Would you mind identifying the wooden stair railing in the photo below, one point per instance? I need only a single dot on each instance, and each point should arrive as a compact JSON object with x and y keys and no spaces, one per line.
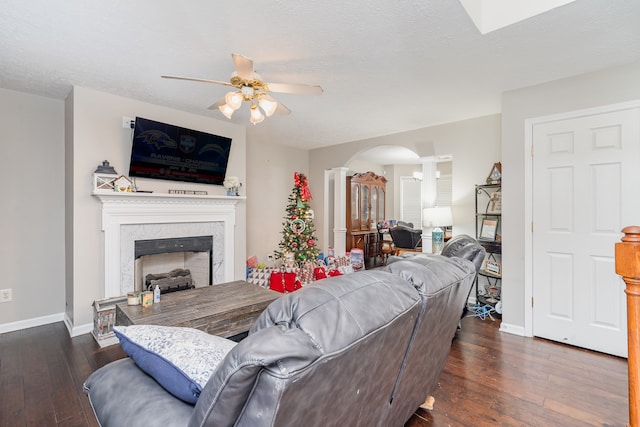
{"x":628,"y":266}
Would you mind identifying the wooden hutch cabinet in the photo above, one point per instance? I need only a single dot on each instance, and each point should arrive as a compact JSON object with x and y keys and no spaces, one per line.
{"x":366,"y":196}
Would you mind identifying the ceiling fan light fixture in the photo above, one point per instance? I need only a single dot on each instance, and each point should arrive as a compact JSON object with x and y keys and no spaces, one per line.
{"x":226,"y":110}
{"x":268,"y":106}
{"x":248,"y":92}
{"x":256,"y":115}
{"x":247,"y":85}
{"x":234,"y":100}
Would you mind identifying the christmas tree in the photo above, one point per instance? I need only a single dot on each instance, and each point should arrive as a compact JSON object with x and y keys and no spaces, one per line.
{"x":298,"y":234}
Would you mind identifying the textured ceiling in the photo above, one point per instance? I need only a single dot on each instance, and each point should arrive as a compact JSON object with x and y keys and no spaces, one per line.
{"x":385,"y":66}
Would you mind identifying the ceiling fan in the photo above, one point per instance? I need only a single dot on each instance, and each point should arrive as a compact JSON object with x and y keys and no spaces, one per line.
{"x":251,"y":89}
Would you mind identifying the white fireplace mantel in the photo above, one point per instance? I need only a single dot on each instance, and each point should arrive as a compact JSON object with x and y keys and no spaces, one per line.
{"x":120,"y":209}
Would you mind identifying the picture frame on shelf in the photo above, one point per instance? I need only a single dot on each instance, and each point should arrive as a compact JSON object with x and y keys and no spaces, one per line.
{"x":495,"y":203}
{"x":494,"y":268}
{"x":489,"y":229}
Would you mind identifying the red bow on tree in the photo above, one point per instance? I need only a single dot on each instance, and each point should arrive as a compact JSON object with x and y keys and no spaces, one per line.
{"x":301,"y":182}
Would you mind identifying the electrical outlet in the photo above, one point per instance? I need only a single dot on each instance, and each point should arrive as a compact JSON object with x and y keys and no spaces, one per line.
{"x":6,"y":295}
{"x":127,"y":122}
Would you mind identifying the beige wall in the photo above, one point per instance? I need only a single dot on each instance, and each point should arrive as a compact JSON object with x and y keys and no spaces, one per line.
{"x":360,"y":166}
{"x":32,"y":212}
{"x":97,"y":134}
{"x":270,"y":168}
{"x":474,"y":144}
{"x":605,"y":87}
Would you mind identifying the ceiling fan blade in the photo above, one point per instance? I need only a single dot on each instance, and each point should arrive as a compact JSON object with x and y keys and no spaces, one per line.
{"x":220,"y":102}
{"x":244,"y":66}
{"x":282,"y":109}
{"x":297,"y":89}
{"x":198,"y":80}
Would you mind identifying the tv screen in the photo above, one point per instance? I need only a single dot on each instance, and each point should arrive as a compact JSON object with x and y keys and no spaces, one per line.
{"x":165,"y":151}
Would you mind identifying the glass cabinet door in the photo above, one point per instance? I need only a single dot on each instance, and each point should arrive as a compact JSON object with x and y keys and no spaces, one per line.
{"x":355,"y":206}
{"x":381,"y":201}
{"x":366,"y":213}
{"x":374,"y":207}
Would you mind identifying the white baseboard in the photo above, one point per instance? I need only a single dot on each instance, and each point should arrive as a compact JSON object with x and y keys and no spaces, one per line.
{"x":512,"y":329}
{"x":74,"y":331}
{"x":30,"y":323}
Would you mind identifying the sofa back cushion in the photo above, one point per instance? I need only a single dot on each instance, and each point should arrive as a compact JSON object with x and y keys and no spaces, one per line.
{"x":465,"y":247}
{"x":443,"y":284}
{"x":333,"y":349}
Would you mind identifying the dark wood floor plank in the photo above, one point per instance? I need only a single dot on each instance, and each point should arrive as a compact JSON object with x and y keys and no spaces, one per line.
{"x":11,"y":380}
{"x":66,"y":400}
{"x":497,"y":379}
{"x":37,"y":382}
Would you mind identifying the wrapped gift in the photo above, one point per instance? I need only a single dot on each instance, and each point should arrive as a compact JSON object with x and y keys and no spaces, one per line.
{"x":342,"y":261}
{"x":284,"y":281}
{"x":319,"y":273}
{"x":260,"y":276}
{"x":357,"y":259}
{"x":306,"y":273}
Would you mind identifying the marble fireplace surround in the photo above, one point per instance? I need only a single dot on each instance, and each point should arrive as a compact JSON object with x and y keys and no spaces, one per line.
{"x":127,"y":217}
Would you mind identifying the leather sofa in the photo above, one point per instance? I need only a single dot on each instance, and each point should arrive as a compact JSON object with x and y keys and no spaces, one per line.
{"x":363,"y":349}
{"x":461,"y":246}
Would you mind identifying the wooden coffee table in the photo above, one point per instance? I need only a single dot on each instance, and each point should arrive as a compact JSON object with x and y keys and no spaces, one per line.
{"x":227,"y":309}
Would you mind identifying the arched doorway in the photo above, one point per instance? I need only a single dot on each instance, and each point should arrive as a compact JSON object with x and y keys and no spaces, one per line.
{"x":397,"y":164}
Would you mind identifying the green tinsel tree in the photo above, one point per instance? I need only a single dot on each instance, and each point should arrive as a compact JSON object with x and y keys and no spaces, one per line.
{"x":299,"y":234}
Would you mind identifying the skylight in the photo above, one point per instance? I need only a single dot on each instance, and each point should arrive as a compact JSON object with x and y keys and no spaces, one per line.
{"x":490,"y":15}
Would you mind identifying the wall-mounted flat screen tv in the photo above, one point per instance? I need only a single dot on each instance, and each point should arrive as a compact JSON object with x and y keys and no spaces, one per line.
{"x":165,"y":151}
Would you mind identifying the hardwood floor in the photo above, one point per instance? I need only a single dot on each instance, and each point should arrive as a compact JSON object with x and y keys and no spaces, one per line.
{"x":498,"y":379}
{"x":491,"y":379}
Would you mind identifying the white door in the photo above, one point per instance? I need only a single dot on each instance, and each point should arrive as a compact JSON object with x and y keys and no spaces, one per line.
{"x":586,"y":181}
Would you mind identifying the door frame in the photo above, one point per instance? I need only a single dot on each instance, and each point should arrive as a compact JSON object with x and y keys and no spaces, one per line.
{"x":528,"y":193}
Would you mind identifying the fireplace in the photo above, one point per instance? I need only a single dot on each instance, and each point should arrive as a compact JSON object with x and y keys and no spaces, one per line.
{"x":173,"y":264}
{"x":131,"y":217}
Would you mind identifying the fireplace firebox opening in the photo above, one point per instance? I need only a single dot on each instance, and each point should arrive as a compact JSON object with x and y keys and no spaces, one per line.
{"x":173,"y":264}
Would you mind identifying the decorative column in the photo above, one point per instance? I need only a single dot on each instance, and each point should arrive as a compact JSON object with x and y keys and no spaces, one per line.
{"x":429,"y":189}
{"x":628,"y":266}
{"x":340,"y":211}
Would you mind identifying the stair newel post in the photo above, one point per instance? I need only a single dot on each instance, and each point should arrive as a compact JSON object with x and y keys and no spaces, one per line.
{"x":628,"y":266}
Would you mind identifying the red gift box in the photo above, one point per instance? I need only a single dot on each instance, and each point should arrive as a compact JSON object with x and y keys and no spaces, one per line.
{"x":284,"y":282}
{"x":319,"y":273}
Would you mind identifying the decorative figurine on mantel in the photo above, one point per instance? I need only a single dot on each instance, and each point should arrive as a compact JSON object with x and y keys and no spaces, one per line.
{"x":232,"y":184}
{"x":103,"y":178}
{"x":495,"y":176}
{"x":122,"y":184}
